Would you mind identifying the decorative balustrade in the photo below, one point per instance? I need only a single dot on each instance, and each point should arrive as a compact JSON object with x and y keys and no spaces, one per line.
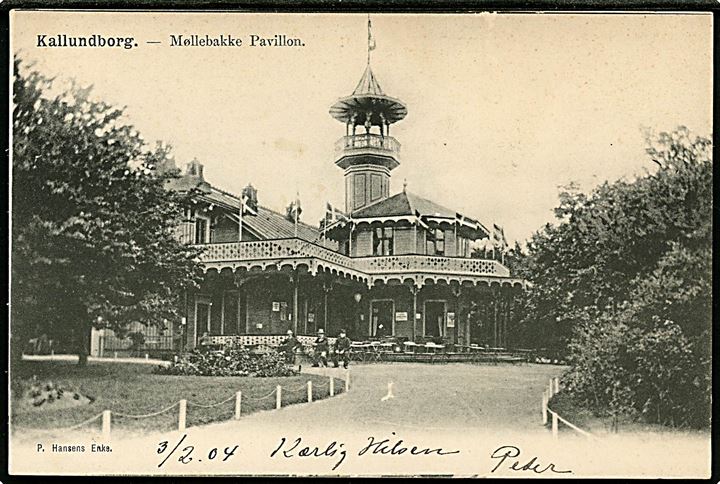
{"x":367,"y":142}
{"x":286,"y":249}
{"x":430,"y":264}
{"x":261,"y":340}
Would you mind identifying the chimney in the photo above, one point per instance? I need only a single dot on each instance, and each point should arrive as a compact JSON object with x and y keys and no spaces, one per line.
{"x":195,"y":169}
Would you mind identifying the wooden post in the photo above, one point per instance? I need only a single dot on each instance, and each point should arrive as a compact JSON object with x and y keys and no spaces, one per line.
{"x":147,"y":357}
{"x":106,"y":419}
{"x":332,"y":386}
{"x":182,"y":416}
{"x":414,"y":290}
{"x":278,"y":397}
{"x":115,"y":354}
{"x":295,"y":302}
{"x":238,"y":402}
{"x":347,"y":380}
{"x":309,"y":388}
{"x":550,"y":388}
{"x":556,"y":383}
{"x":544,"y":407}
{"x":554,"y":425}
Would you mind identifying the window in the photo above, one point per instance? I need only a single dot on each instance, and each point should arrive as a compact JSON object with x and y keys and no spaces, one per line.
{"x":435,"y":242}
{"x":201,"y":230}
{"x":463,"y":245}
{"x":383,"y":241}
{"x":359,"y":190}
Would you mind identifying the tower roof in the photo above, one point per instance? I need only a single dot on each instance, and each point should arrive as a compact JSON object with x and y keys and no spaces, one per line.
{"x":368,"y":84}
{"x":368,"y":98}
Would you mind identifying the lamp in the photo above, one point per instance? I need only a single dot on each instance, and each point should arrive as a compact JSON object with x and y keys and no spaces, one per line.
{"x":357,"y":297}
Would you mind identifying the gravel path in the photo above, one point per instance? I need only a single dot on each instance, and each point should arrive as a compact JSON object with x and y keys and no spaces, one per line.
{"x":469,"y":411}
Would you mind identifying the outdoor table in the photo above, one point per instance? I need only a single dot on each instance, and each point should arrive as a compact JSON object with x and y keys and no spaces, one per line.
{"x":373,"y":351}
{"x":410,"y":346}
{"x":434,"y":347}
{"x":357,"y":351}
{"x":384,"y":348}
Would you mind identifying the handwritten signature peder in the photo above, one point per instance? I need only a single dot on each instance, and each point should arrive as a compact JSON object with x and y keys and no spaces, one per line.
{"x":507,"y":456}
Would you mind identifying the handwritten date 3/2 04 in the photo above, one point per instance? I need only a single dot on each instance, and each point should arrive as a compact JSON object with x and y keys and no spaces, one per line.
{"x":188,"y":453}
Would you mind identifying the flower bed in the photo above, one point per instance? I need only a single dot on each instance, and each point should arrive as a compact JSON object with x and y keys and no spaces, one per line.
{"x":229,"y":361}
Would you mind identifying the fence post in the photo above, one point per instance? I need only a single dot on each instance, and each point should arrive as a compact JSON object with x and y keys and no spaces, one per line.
{"x":147,"y":356}
{"x":182,"y":417}
{"x":347,"y":380}
{"x":278,"y":397}
{"x":544,"y":407}
{"x":106,"y":419}
{"x":556,"y":383}
{"x":309,"y":387}
{"x":332,"y":386}
{"x":554,"y":425}
{"x":550,"y":388}
{"x":115,"y":354}
{"x":238,"y":402}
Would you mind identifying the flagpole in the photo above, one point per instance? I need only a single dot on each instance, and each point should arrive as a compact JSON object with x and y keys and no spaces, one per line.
{"x":297,"y":209}
{"x":240,"y":221}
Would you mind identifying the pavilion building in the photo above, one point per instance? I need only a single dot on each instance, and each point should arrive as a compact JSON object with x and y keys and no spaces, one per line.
{"x":395,"y":265}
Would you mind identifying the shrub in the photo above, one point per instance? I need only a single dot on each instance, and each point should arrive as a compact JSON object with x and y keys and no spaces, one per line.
{"x":229,"y":361}
{"x":137,"y":339}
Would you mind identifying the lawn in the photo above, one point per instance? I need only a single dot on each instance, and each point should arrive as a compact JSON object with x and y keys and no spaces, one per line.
{"x":564,"y":405}
{"x":133,"y":389}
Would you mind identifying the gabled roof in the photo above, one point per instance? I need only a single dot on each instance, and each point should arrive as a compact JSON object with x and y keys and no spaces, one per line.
{"x":368,"y":84}
{"x":404,"y":203}
{"x":267,"y":224}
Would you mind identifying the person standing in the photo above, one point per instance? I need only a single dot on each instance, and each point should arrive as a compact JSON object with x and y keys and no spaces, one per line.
{"x":342,"y":349}
{"x":322,"y":348}
{"x":290,"y":346}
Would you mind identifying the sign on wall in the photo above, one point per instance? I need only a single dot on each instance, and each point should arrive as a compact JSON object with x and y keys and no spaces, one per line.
{"x":450,"y":320}
{"x":401,"y":316}
{"x":276,"y":306}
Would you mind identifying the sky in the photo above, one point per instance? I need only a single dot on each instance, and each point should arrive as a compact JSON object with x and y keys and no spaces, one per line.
{"x":503,"y":109}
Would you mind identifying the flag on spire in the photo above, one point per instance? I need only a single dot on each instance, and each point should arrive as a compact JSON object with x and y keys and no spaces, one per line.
{"x":371,"y":39}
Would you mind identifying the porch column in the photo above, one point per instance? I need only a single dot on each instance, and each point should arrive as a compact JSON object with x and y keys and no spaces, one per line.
{"x":222,"y":312}
{"x":327,"y":287}
{"x":457,"y":291}
{"x":294,"y":279}
{"x":495,"y":317}
{"x":414,"y":289}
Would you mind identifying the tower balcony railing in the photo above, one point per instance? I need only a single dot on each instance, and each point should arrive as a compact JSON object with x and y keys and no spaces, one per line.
{"x":368,"y":143}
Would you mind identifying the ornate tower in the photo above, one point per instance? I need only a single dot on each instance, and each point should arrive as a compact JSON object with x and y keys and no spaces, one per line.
{"x":367,"y":157}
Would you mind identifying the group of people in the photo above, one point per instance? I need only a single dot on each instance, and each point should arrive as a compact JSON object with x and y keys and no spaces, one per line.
{"x":322,"y":351}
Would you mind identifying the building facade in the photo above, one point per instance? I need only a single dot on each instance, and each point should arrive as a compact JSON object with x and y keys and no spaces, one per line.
{"x":386,"y":265}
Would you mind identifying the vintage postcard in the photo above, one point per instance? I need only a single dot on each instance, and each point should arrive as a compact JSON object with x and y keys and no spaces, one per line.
{"x":469,"y":244}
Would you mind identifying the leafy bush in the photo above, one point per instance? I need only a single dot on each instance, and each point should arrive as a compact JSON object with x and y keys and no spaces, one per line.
{"x":137,"y":339}
{"x":623,"y":281}
{"x":230,"y":361}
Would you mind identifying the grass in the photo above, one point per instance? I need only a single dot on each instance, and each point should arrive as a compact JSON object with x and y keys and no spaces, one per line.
{"x":587,"y":420}
{"x":133,"y":389}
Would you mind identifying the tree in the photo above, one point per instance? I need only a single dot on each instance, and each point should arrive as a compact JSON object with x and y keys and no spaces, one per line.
{"x":92,"y":221}
{"x":623,"y":281}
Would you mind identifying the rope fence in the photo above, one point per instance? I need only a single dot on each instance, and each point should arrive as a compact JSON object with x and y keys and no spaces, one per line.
{"x":237,"y":397}
{"x":553,"y":389}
